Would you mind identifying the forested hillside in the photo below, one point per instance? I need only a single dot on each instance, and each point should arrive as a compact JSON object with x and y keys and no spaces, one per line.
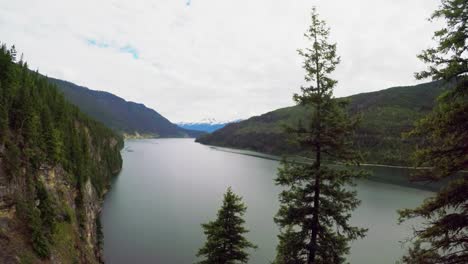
{"x":385,"y":115}
{"x":120,"y":115}
{"x":55,"y":166}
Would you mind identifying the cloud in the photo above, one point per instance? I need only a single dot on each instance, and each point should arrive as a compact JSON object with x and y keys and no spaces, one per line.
{"x":216,"y":59}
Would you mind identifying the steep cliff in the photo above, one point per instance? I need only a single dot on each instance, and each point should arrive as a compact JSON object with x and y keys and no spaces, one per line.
{"x":55,"y":166}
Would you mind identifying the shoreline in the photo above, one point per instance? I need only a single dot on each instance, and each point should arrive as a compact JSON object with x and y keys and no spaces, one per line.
{"x":401,"y":179}
{"x":279,"y":158}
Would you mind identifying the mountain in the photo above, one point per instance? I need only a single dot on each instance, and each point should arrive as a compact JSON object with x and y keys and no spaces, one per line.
{"x":56,"y":164}
{"x":208,"y":125}
{"x":385,"y":114}
{"x":122,"y":116}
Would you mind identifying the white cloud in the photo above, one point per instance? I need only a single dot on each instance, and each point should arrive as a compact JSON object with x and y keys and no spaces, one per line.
{"x":214,"y":58}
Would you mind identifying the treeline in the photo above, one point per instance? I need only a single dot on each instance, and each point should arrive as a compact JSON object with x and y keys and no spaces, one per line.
{"x":40,"y":130}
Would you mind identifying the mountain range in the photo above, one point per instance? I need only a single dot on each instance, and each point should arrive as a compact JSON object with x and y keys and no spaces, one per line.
{"x":385,"y":115}
{"x":208,"y":125}
{"x":129,"y":118}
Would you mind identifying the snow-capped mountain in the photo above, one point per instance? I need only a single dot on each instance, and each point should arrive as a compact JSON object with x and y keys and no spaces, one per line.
{"x":206,"y":125}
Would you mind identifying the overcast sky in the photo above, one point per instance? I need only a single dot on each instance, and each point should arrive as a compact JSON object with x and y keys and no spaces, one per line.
{"x":223,"y":59}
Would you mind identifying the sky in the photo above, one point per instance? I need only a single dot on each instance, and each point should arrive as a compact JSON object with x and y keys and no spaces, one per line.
{"x":223,"y":59}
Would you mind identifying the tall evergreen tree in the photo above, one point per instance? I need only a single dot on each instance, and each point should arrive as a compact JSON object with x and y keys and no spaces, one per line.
{"x":226,"y":243}
{"x":317,"y":202}
{"x":444,"y":133}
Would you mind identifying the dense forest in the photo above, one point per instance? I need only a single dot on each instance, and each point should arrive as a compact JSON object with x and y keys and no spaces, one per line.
{"x":55,"y":166}
{"x":384,"y":116}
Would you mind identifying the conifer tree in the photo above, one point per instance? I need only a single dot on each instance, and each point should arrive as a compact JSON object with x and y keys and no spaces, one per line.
{"x":444,"y":135}
{"x":316,"y":204}
{"x":226,"y":243}
{"x":53,"y":143}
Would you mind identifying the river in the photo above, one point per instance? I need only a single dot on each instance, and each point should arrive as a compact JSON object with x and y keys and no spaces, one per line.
{"x":168,"y":187}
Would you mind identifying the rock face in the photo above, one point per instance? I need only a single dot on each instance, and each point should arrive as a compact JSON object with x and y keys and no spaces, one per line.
{"x":92,"y":207}
{"x":75,"y":235}
{"x":6,"y":200}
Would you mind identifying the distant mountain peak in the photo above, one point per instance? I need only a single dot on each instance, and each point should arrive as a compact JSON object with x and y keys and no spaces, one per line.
{"x":206,"y":124}
{"x":210,"y":121}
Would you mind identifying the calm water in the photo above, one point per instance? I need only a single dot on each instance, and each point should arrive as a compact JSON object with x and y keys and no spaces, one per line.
{"x":168,"y":187}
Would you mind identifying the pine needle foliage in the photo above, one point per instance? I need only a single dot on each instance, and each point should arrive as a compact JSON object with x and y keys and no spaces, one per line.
{"x":225,"y":242}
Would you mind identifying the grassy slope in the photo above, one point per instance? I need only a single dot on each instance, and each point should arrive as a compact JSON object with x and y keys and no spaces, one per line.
{"x":385,"y":115}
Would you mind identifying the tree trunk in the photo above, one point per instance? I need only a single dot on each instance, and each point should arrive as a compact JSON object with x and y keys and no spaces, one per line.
{"x":315,"y":222}
{"x":315,"y":217}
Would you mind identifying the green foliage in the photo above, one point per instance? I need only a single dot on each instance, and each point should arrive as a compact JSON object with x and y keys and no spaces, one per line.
{"x":39,"y":130}
{"x":317,"y":201}
{"x":3,"y":121}
{"x":290,"y":247}
{"x":444,"y":149}
{"x":47,"y":129}
{"x":40,"y":242}
{"x":449,"y":58}
{"x":52,"y":138}
{"x":226,"y":243}
{"x":12,"y":158}
{"x":64,"y":242}
{"x":100,"y":235}
{"x":47,"y":208}
{"x":297,"y":211}
{"x":27,"y":258}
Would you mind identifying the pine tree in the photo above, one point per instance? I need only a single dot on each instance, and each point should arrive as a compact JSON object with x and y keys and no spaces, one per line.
{"x":38,"y":237}
{"x":226,"y":243}
{"x":47,"y":208}
{"x":52,"y":140}
{"x":444,"y":149}
{"x":317,"y":202}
